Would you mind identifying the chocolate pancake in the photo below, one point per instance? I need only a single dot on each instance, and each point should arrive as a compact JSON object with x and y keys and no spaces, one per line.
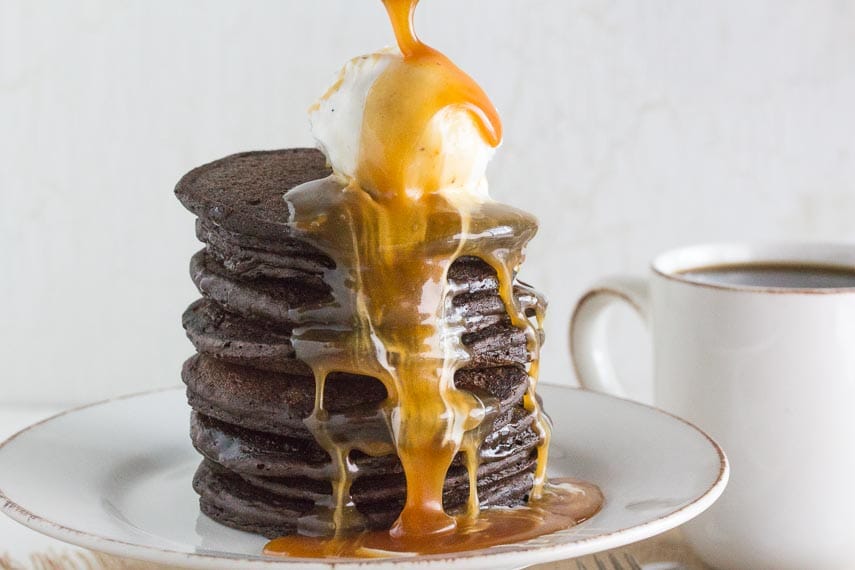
{"x":232,"y":500}
{"x":263,"y":471}
{"x":242,"y":193}
{"x":278,"y":403}
{"x":259,"y":399}
{"x":217,"y":333}
{"x":256,"y":453}
{"x":267,"y":299}
{"x":253,"y":258}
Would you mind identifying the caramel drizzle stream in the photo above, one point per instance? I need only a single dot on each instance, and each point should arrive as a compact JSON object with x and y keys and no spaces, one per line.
{"x":393,"y":237}
{"x":461,"y":89}
{"x":403,"y":100}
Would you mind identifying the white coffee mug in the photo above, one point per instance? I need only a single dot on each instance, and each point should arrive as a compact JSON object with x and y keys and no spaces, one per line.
{"x":770,"y":374}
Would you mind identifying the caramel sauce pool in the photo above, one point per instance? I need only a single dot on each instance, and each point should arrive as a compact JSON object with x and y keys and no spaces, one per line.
{"x":564,"y":503}
{"x":393,"y":234}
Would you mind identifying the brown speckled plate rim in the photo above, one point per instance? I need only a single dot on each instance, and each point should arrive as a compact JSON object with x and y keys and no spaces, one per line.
{"x":493,"y":557}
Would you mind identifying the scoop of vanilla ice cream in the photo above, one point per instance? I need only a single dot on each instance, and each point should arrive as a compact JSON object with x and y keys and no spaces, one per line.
{"x":457,"y":153}
{"x":336,"y":118}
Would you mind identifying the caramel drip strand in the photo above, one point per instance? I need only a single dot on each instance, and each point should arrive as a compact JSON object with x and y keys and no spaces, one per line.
{"x":505,"y":264}
{"x":543,"y":425}
{"x":401,"y":15}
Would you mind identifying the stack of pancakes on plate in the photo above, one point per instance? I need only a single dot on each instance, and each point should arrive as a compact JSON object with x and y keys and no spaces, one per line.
{"x":262,"y":470}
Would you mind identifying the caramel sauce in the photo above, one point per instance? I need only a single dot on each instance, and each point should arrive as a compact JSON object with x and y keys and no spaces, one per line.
{"x":564,"y":503}
{"x":393,"y":234}
{"x":393,"y":153}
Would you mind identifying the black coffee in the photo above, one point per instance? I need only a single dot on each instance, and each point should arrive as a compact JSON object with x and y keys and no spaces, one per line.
{"x":780,"y":275}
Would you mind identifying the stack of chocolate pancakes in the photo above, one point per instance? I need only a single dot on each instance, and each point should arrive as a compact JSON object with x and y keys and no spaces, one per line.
{"x":262,"y":470}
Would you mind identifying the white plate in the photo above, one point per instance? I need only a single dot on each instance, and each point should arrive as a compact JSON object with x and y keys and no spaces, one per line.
{"x":115,"y":477}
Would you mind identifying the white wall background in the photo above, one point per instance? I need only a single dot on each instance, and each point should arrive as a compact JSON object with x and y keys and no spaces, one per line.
{"x":631,"y":127}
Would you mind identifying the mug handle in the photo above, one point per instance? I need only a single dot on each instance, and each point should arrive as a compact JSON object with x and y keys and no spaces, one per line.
{"x":588,"y":346}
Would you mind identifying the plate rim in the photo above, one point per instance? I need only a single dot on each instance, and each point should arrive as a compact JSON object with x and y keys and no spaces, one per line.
{"x":533,"y":554}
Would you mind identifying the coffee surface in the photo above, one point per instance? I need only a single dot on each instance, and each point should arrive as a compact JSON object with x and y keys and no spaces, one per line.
{"x":777,"y":275}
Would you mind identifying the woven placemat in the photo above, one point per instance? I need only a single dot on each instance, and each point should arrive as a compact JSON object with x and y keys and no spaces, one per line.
{"x":664,"y":551}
